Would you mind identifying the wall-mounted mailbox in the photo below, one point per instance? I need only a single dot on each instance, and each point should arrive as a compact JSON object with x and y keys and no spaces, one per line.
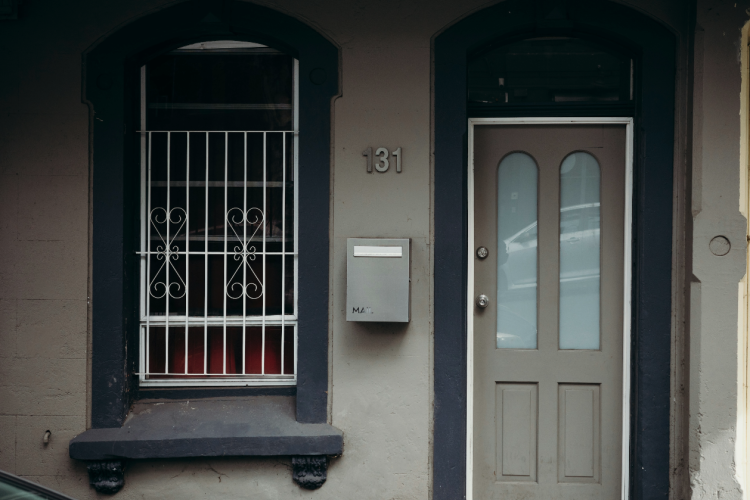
{"x":377,"y":280}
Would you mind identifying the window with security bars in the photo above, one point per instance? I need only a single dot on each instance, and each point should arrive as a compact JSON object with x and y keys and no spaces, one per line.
{"x":218,"y":217}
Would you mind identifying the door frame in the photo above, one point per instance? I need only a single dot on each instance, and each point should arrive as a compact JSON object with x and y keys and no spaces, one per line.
{"x":654,"y":47}
{"x":627,"y":281}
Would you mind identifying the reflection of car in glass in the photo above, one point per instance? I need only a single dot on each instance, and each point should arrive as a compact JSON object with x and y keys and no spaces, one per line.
{"x":522,"y":330}
{"x":579,"y":249}
{"x":14,"y":488}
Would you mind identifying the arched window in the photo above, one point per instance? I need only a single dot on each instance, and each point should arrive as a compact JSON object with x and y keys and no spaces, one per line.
{"x":218,"y":216}
{"x":237,"y":102}
{"x":210,"y":216}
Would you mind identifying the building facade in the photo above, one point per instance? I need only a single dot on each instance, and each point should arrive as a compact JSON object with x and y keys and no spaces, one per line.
{"x":282,"y":249}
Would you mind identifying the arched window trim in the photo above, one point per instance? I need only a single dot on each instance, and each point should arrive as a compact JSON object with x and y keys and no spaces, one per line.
{"x":618,"y":46}
{"x":654,"y":49}
{"x":111,"y":81}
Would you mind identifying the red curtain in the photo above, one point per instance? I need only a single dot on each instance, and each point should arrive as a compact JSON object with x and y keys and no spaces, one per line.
{"x":215,"y":358}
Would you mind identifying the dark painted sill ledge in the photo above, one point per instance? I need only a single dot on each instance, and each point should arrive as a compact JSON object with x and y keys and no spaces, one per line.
{"x":245,"y":426}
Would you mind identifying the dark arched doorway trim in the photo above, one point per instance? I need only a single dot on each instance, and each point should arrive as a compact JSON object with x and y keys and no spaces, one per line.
{"x":653,"y":47}
{"x":111,"y":88}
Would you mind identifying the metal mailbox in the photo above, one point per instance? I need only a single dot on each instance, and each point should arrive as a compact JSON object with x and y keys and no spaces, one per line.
{"x":377,"y":280}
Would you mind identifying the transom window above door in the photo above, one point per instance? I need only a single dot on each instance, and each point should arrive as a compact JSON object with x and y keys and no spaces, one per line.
{"x":218,"y":272}
{"x":549,"y":70}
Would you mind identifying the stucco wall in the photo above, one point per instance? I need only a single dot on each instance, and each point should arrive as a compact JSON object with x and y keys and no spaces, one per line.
{"x":380,"y":392}
{"x":713,"y":292}
{"x":44,"y":176}
{"x":380,"y":377}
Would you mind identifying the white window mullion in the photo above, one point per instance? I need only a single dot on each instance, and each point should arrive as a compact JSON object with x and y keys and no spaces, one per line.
{"x":283,"y":244}
{"x":225,"y":317}
{"x":144,"y":187}
{"x":144,"y":225}
{"x":168,"y":255}
{"x":147,"y":283}
{"x":187,"y":248}
{"x":245,"y":262}
{"x":226,"y":223}
{"x":263,"y":290}
{"x":205,"y":275}
{"x":296,"y":206}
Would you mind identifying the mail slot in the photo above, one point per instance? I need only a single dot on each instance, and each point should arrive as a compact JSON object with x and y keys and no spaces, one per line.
{"x":377,"y":280}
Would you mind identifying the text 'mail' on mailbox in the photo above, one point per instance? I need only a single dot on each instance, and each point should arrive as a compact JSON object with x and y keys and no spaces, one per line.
{"x":377,"y":280}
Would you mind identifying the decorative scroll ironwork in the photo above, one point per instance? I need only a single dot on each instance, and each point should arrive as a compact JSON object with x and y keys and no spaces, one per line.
{"x":167,"y":252}
{"x":186,"y":251}
{"x":244,"y":253}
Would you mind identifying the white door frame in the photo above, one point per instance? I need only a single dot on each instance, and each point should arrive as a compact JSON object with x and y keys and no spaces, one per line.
{"x":627,"y":283}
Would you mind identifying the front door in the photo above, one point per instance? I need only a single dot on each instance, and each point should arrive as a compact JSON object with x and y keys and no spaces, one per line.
{"x":549,"y":240}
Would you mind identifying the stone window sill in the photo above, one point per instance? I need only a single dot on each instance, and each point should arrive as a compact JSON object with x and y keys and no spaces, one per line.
{"x":248,"y":426}
{"x":216,"y":427}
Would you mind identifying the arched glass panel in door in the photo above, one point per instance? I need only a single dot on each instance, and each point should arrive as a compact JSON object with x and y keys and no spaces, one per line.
{"x":517,"y":252}
{"x":580,"y":264}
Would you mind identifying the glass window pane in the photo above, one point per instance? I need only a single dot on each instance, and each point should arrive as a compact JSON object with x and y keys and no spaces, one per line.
{"x":517,"y":252}
{"x":579,"y":252}
{"x":551,"y":69}
{"x":218,"y":209}
{"x":234,"y":89}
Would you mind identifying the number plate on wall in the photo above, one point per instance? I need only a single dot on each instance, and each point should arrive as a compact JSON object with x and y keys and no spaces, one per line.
{"x":377,"y":280}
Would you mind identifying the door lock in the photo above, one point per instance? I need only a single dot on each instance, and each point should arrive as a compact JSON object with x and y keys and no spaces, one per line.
{"x":483,"y":301}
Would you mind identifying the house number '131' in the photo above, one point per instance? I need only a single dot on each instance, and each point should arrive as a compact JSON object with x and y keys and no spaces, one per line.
{"x":381,"y":159}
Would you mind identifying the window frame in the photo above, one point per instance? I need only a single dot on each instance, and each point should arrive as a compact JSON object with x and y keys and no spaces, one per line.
{"x":111,"y":81}
{"x":146,"y":321}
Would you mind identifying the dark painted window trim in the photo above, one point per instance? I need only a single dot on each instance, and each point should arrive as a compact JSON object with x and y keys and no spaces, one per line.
{"x":110,"y":87}
{"x":654,"y":48}
{"x":188,"y":393}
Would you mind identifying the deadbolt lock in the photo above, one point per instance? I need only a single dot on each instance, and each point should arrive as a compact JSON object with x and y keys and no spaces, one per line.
{"x":483,"y":301}
{"x":482,"y":252}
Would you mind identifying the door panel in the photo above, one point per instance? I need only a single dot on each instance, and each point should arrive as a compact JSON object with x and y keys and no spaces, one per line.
{"x":548,"y":412}
{"x":516,"y":433}
{"x":578,"y":433}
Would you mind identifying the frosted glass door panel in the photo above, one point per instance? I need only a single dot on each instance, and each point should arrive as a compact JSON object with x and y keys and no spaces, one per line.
{"x":579,"y":252}
{"x":517,"y":252}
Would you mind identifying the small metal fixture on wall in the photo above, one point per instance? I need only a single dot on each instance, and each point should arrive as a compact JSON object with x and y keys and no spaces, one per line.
{"x":377,"y":280}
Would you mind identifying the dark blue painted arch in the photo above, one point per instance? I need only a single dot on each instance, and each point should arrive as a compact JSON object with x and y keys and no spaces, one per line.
{"x":111,"y":87}
{"x":653,"y":48}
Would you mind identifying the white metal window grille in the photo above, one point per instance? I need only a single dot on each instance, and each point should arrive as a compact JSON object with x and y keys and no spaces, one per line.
{"x":218,"y":253}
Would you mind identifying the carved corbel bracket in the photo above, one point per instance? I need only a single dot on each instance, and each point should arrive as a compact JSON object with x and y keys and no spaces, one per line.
{"x":310,"y":472}
{"x":107,"y":476}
